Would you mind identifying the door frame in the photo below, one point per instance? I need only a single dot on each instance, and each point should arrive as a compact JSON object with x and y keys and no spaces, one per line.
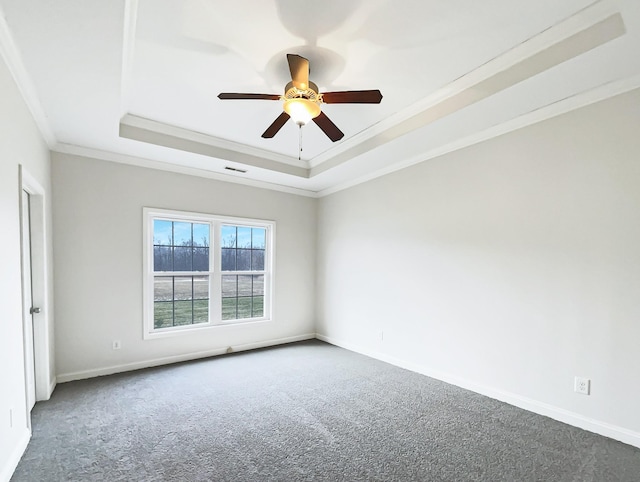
{"x":27,"y":302}
{"x":45,"y":382}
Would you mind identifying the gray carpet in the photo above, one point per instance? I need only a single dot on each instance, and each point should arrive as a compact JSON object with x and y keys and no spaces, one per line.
{"x":305,"y":411}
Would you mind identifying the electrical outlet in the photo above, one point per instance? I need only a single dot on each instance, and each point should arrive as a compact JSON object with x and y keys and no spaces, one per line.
{"x":116,"y":344}
{"x":582,"y":386}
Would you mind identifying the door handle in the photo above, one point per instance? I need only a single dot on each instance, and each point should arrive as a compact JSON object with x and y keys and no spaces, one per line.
{"x":33,"y":310}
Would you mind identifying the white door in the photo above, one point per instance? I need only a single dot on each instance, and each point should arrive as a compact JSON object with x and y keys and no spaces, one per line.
{"x":28,"y":309}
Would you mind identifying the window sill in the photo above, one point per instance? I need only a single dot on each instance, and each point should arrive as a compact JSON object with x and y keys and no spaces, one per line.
{"x":198,"y":329}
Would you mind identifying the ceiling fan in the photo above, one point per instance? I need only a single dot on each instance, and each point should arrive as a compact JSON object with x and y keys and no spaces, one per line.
{"x":302,"y":100}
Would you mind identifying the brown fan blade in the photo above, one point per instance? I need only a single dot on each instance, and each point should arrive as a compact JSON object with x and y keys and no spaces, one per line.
{"x":299,"y":68}
{"x":328,"y":127}
{"x":233,"y":95}
{"x":273,"y":129}
{"x":352,"y":97}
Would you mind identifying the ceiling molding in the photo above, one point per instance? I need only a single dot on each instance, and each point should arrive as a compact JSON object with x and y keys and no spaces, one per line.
{"x":549,"y":111}
{"x":158,"y":133}
{"x":236,"y":178}
{"x":584,"y":31}
{"x":13,"y":59}
{"x":128,"y":51}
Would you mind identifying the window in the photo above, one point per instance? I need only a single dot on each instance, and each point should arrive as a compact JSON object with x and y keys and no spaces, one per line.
{"x":203,"y":271}
{"x":242,"y":252}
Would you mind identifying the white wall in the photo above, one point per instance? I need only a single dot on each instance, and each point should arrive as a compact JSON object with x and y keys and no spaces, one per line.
{"x":98,"y":212}
{"x":20,"y":143}
{"x":508,"y":267}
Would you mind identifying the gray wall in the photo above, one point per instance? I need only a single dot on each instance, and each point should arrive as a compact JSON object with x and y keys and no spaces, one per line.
{"x":98,"y":260}
{"x":508,"y":267}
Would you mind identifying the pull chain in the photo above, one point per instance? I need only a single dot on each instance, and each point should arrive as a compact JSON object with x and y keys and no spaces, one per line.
{"x":300,"y":142}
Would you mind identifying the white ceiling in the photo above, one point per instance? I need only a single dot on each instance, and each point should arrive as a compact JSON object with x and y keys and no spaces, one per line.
{"x":137,"y":80}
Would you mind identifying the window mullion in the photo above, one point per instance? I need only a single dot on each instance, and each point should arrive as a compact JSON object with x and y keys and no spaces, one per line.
{"x":215,"y":274}
{"x":173,"y":301}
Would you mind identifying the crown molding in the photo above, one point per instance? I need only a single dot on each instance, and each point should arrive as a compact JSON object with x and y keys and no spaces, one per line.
{"x":563,"y":106}
{"x":549,"y":111}
{"x":13,"y":59}
{"x":166,"y":135}
{"x":88,"y":152}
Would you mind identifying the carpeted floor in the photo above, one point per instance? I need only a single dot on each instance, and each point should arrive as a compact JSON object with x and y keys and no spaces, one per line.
{"x":305,"y":411}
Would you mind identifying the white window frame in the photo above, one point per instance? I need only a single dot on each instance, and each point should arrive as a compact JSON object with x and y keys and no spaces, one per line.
{"x":215,"y":272}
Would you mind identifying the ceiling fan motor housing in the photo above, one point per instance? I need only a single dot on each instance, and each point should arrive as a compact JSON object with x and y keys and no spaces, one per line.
{"x":310,"y":93}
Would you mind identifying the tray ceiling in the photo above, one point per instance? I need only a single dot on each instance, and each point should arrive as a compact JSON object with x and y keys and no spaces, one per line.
{"x":137,"y":81}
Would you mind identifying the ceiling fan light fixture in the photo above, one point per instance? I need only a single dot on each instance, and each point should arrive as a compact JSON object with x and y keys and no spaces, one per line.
{"x":301,"y":110}
{"x":302,"y":101}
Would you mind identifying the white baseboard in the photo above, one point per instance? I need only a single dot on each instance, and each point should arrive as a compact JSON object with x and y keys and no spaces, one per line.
{"x":97,"y":372}
{"x":7,"y":471}
{"x":52,"y":386}
{"x":571,"y":418}
{"x":42,"y":397}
